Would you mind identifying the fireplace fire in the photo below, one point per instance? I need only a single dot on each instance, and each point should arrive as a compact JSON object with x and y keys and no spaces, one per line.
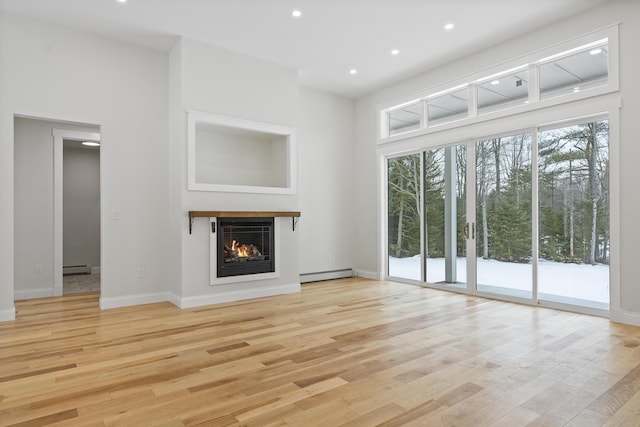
{"x":245,"y":246}
{"x":242,"y":252}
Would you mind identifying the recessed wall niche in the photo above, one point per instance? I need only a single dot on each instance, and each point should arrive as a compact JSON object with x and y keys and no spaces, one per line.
{"x":236,"y":155}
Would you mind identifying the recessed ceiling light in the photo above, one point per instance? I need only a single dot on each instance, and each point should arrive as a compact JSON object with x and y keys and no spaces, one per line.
{"x":122,"y":1}
{"x":296,"y":14}
{"x":596,"y":51}
{"x":353,"y":71}
{"x":91,"y":143}
{"x":495,"y":82}
{"x":395,"y":52}
{"x":449,"y":26}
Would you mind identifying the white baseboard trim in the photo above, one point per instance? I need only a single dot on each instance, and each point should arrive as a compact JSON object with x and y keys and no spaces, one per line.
{"x":8,"y":314}
{"x":95,"y":269}
{"x":129,"y":300}
{"x":174,"y":299}
{"x":230,"y":296}
{"x":32,"y":293}
{"x":617,"y":314}
{"x":326,"y":275}
{"x":373,"y":275}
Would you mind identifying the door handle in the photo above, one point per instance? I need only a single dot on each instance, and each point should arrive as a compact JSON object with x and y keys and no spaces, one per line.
{"x":466,"y":230}
{"x":473,"y":230}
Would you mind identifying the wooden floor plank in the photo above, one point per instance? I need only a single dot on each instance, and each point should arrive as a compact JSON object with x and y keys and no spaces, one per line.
{"x":350,"y":352}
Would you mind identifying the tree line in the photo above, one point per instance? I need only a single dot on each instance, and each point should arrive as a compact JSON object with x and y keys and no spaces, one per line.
{"x":573,"y":195}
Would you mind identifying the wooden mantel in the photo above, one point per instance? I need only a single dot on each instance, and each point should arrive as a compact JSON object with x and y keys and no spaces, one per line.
{"x":243,"y":214}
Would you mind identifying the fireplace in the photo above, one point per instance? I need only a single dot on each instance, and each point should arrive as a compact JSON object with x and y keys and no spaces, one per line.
{"x":245,"y":246}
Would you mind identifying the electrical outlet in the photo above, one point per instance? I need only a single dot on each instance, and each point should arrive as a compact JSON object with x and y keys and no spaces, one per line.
{"x":37,"y":268}
{"x":140,"y":272}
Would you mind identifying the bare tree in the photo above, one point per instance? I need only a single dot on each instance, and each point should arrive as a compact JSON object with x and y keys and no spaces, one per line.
{"x":483,"y":189}
{"x":404,"y":196}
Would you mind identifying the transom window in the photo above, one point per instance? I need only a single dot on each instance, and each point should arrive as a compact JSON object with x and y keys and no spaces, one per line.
{"x":560,"y":77}
{"x":575,"y":72}
{"x":504,"y":91}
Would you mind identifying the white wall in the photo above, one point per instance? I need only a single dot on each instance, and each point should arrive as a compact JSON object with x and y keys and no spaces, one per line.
{"x":366,"y":194}
{"x":33,"y":178}
{"x":81,"y":205}
{"x":625,"y":11}
{"x":212,"y":80}
{"x":235,"y":158}
{"x":176,"y":175}
{"x":327,"y":182}
{"x":56,"y":73}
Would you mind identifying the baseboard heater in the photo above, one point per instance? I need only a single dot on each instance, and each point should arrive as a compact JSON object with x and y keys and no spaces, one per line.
{"x":76,"y":269}
{"x":326,"y":275}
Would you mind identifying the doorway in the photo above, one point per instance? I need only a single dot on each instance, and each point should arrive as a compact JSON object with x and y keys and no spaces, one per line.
{"x":81,"y":217}
{"x":522,"y":216}
{"x":38,"y":202}
{"x":76,"y":211}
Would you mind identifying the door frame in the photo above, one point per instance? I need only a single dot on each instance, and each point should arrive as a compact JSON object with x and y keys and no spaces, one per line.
{"x":543,"y":117}
{"x":59,"y":136}
{"x":472,"y":215}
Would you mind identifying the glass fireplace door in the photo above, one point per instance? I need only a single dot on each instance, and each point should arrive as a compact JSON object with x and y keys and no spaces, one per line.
{"x":245,"y":246}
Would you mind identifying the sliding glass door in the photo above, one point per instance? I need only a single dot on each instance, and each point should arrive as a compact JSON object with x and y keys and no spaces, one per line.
{"x":535,"y":223}
{"x":404,"y":216}
{"x":445,"y":215}
{"x":503,"y":215}
{"x":427,"y":215}
{"x":573,"y":211}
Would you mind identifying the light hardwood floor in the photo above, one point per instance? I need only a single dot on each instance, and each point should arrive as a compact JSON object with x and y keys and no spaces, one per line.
{"x":349,"y":352}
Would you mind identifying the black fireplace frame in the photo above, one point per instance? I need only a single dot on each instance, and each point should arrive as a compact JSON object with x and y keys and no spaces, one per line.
{"x":267,"y":265}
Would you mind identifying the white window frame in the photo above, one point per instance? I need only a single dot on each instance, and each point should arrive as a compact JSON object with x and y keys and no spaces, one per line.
{"x":558,"y":115}
{"x":532,"y":61}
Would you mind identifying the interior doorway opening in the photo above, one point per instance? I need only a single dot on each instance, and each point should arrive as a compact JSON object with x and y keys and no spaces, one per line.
{"x":38,"y":202}
{"x":81,"y":216}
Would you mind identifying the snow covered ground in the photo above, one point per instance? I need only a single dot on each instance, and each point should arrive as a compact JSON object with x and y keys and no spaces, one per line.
{"x":581,"y":281}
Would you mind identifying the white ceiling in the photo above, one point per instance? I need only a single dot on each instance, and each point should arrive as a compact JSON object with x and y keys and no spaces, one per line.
{"x":330,"y":38}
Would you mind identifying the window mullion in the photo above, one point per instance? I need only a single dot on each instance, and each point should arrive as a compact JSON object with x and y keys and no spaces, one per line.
{"x":424,"y":119}
{"x":534,"y":83}
{"x":535,"y":233}
{"x":473,"y":100}
{"x":423,"y":241}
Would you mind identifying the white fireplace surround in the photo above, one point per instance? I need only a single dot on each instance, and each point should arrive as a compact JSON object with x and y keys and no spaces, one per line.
{"x":213,"y":257}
